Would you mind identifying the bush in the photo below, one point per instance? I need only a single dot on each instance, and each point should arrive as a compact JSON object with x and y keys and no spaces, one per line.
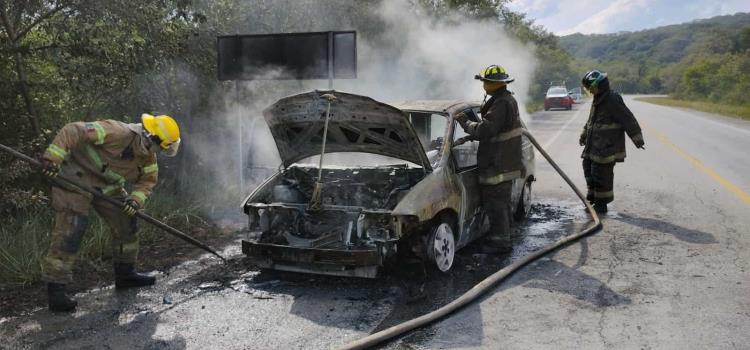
{"x":716,"y":78}
{"x":24,"y":238}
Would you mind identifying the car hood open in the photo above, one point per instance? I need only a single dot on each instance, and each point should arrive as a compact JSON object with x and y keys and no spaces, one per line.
{"x":357,"y":124}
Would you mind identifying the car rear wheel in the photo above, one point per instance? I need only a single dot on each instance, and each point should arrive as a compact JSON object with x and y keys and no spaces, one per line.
{"x":441,"y":245}
{"x":524,"y":203}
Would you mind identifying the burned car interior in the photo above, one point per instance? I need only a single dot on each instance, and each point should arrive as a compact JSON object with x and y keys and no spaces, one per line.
{"x":430,"y":129}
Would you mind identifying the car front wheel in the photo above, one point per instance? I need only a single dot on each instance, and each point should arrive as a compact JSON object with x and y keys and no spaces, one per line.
{"x":441,"y":245}
{"x":524,"y":203}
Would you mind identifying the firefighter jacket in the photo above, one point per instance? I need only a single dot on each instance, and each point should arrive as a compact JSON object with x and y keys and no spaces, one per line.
{"x":499,"y":156}
{"x":105,"y":154}
{"x":603,"y":135}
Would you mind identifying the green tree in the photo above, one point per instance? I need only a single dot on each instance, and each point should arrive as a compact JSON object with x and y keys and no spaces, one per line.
{"x":19,"y":19}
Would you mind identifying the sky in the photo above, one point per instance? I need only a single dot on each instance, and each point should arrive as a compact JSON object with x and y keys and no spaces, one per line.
{"x":564,"y":17}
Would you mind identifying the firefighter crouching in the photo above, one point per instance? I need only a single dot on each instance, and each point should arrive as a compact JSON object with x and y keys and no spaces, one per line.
{"x":499,"y":157}
{"x":603,"y":138}
{"x":103,"y":155}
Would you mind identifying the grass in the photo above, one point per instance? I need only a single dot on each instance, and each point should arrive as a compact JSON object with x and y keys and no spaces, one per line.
{"x":736,"y":111}
{"x":24,"y":239}
{"x":534,"y":106}
{"x":23,"y":244}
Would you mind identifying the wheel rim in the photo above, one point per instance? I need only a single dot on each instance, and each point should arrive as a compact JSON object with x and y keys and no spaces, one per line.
{"x":444,"y":247}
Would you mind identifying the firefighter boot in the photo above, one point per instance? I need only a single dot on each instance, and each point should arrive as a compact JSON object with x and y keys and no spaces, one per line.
{"x":126,"y":277}
{"x":601,"y":208}
{"x":57,"y":299}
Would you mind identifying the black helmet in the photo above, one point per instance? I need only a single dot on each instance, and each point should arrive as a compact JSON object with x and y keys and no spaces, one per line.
{"x":593,"y":78}
{"x":494,"y":73}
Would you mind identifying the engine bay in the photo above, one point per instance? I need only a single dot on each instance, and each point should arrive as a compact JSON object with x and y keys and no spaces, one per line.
{"x":355,"y":212}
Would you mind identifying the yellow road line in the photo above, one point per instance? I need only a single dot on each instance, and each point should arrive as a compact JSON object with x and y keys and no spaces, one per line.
{"x":742,"y":195}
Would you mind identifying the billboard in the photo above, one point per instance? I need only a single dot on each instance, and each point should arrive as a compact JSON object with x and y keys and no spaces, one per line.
{"x":317,"y":55}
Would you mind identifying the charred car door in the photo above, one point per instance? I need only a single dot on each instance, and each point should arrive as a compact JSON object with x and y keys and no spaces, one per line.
{"x":464,"y":159}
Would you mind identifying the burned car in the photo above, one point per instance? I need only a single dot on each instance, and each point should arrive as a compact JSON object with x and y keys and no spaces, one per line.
{"x":393,"y":185}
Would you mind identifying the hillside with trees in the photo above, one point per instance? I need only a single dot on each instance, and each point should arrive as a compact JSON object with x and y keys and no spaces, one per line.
{"x":705,"y":59}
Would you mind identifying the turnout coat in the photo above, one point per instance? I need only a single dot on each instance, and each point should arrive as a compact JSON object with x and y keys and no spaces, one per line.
{"x":105,"y":154}
{"x":499,"y":157}
{"x":603,"y":135}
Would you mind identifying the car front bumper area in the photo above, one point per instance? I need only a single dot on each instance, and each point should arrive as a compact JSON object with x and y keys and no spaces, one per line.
{"x":555,"y":102}
{"x":336,"y":262}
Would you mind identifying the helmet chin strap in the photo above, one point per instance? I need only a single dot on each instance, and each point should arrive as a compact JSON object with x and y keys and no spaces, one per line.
{"x":150,"y":142}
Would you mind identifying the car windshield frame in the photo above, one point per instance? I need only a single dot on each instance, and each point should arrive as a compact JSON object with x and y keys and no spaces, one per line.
{"x":435,"y":149}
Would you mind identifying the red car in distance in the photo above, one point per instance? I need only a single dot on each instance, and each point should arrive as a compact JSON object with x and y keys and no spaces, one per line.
{"x":557,"y":97}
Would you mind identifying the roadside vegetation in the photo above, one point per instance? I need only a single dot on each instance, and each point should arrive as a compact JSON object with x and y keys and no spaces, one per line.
{"x":704,"y":63}
{"x":737,"y":111}
{"x":24,"y":238}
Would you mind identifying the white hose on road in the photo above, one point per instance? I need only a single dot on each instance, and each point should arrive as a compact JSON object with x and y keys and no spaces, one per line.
{"x":488,"y":283}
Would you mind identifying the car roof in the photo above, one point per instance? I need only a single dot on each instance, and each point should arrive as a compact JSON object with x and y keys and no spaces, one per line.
{"x":436,"y":106}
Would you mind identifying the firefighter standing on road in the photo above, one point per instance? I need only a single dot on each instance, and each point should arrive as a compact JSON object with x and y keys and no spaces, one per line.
{"x":103,"y":155}
{"x":499,"y":156}
{"x":603,"y":138}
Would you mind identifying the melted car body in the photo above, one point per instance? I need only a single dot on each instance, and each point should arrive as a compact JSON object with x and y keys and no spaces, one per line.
{"x":369,"y":215}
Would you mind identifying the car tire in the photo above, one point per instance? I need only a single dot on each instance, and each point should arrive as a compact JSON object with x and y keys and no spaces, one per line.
{"x":524,"y":202}
{"x":441,"y":245}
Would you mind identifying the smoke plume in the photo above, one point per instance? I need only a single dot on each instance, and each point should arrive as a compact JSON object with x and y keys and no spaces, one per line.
{"x":403,"y":54}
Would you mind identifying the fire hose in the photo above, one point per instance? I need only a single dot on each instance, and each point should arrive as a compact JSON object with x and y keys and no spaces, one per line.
{"x":169,"y":229}
{"x":488,"y":283}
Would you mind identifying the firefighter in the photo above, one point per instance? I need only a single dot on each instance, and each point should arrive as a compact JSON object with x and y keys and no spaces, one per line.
{"x":499,"y":155}
{"x":603,"y":138}
{"x":103,"y":155}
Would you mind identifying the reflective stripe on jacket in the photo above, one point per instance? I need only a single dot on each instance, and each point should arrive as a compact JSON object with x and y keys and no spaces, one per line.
{"x":499,"y":155}
{"x":105,"y":155}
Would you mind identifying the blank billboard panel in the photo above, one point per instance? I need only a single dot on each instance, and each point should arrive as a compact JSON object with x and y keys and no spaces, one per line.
{"x":287,"y":56}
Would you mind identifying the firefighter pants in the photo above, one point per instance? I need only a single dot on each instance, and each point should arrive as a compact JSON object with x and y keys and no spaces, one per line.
{"x":71,"y":219}
{"x":599,"y":181}
{"x":496,"y":203}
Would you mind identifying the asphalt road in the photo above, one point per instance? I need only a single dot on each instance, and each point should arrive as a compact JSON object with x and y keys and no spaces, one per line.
{"x":670,"y":269}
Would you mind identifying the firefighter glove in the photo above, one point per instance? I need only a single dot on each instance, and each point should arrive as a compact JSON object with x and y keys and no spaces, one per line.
{"x":461,"y":141}
{"x":461,"y":118}
{"x":582,"y":140}
{"x":638,"y":141}
{"x":131,"y":207}
{"x":50,"y":168}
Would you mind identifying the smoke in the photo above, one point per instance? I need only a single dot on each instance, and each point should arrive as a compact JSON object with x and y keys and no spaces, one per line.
{"x":403,"y":54}
{"x":418,"y":57}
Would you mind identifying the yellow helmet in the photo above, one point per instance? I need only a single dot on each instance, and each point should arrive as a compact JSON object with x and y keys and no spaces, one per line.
{"x":166,"y":129}
{"x":494,"y":73}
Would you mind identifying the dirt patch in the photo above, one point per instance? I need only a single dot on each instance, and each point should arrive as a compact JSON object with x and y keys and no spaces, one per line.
{"x":158,"y":254}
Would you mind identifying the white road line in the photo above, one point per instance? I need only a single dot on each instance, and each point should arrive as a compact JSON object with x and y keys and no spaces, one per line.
{"x":557,"y":134}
